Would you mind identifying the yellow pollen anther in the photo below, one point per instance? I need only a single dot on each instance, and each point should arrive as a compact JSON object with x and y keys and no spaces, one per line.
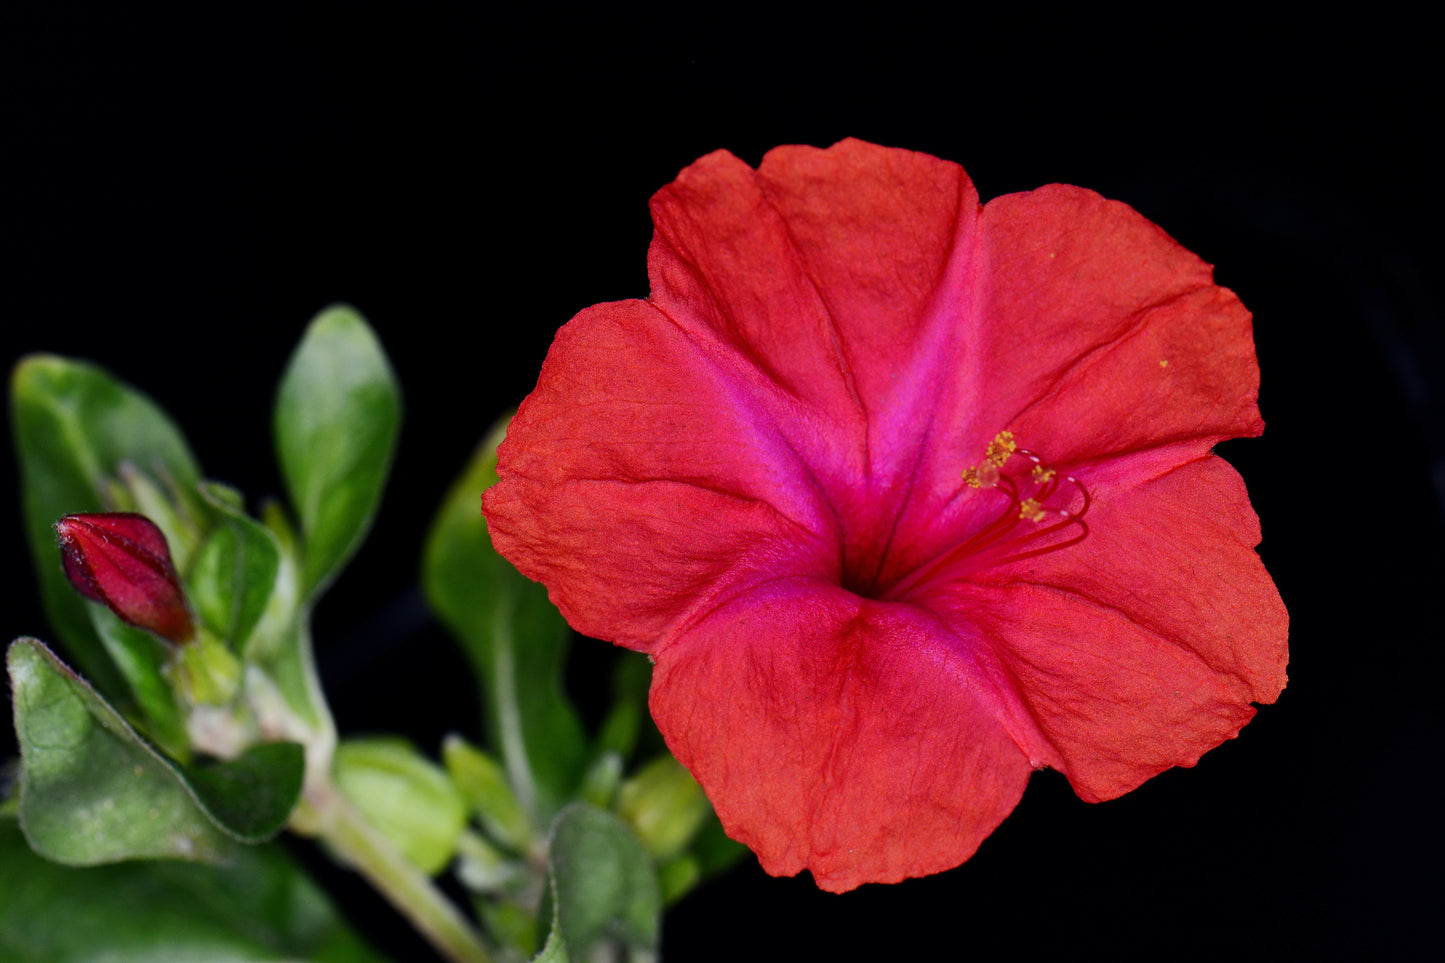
{"x":1001,"y":447}
{"x":1042,"y":474}
{"x":970,"y":477}
{"x":1030,"y":510}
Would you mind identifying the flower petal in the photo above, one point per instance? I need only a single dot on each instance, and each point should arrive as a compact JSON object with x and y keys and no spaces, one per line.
{"x":840,"y":277}
{"x":637,"y":482}
{"x":1091,"y":334}
{"x":1142,"y":647}
{"x":874,"y":230}
{"x":853,"y":738}
{"x":1100,"y":335}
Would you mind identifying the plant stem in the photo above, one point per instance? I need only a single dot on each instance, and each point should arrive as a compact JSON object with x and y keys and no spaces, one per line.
{"x":324,"y":812}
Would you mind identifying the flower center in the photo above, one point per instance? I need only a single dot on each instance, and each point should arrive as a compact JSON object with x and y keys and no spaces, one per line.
{"x":1040,"y":511}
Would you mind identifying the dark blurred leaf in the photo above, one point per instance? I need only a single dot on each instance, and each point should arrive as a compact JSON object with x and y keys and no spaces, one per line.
{"x":252,"y":795}
{"x":515,"y":638}
{"x":338,"y":411}
{"x":260,"y":907}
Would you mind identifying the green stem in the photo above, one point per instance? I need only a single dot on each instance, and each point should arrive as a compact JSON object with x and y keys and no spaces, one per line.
{"x":324,"y":812}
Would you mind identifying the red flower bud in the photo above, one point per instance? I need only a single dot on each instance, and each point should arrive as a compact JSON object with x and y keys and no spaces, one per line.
{"x":122,"y":559}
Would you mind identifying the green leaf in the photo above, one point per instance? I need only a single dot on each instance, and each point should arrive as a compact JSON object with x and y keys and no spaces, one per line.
{"x":75,"y":426}
{"x":556,"y":949}
{"x":93,"y":791}
{"x":235,"y":571}
{"x":407,"y":798}
{"x":252,"y":795}
{"x":627,"y":721}
{"x":338,"y":411}
{"x":515,"y":638}
{"x":142,"y":658}
{"x":261,"y":907}
{"x":603,"y":886}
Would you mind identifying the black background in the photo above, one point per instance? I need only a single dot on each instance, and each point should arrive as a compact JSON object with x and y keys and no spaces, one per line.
{"x":182,"y":193}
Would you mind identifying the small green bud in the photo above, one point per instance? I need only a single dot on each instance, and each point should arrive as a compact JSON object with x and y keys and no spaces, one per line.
{"x":407,"y":798}
{"x":678,"y":876}
{"x":664,"y":805}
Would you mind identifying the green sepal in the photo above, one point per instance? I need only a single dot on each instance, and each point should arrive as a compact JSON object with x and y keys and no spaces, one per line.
{"x":75,"y":426}
{"x":603,"y":887}
{"x":337,"y":414}
{"x":483,"y":784}
{"x":282,"y":683}
{"x":259,"y":907}
{"x":409,"y":799}
{"x":94,"y":791}
{"x":515,"y":638}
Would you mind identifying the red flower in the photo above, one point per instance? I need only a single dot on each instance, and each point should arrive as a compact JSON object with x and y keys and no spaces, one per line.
{"x":122,"y":560}
{"x":757,"y":477}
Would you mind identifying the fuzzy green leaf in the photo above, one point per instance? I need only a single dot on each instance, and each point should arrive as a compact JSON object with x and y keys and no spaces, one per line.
{"x":93,"y":791}
{"x":603,"y":885}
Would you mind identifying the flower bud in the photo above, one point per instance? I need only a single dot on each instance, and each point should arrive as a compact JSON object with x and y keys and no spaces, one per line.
{"x":121,"y":559}
{"x":664,"y":805}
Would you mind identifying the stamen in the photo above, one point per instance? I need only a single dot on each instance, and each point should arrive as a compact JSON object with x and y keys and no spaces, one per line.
{"x":1042,"y":511}
{"x":1002,"y":446}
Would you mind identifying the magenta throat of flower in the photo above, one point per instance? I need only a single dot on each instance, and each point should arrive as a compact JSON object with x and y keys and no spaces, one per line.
{"x":1041,"y":510}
